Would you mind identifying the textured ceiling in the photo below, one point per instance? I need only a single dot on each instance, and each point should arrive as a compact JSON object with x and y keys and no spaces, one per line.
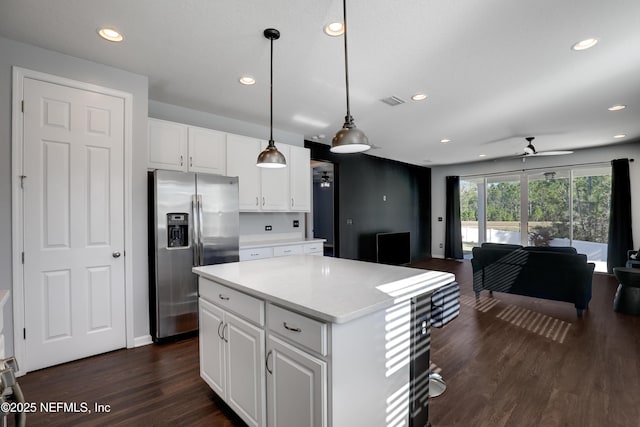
{"x":495,"y":71}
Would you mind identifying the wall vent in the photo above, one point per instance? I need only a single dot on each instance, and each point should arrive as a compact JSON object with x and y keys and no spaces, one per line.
{"x":393,"y":101}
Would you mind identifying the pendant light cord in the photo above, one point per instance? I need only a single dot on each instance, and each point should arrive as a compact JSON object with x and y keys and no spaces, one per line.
{"x":271,"y":99}
{"x":346,"y":59}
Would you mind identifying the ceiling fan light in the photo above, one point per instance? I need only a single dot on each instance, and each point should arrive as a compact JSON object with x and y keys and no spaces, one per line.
{"x":530,"y":149}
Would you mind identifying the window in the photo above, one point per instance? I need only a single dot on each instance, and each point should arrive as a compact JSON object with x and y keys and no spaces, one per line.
{"x":564,"y":207}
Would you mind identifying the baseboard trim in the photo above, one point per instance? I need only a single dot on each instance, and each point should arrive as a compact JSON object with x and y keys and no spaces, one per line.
{"x":143,"y":340}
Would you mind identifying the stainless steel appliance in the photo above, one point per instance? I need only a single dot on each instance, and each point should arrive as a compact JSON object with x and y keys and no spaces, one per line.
{"x":193,"y":220}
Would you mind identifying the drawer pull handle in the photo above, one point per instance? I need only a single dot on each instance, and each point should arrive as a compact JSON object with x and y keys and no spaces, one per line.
{"x":291,"y":328}
{"x":266,"y":362}
{"x":223,"y":298}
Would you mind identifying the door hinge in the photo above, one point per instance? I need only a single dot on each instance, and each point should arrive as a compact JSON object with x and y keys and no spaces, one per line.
{"x":24,"y":333}
{"x":23,"y":257}
{"x":22,"y":106}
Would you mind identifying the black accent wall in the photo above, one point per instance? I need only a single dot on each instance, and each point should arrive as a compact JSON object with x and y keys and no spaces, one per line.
{"x":360,"y":182}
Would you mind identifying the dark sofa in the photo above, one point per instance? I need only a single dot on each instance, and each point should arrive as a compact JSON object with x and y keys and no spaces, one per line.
{"x":556,"y":273}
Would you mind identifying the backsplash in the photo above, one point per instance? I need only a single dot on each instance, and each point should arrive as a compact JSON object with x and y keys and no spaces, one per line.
{"x":252,"y":226}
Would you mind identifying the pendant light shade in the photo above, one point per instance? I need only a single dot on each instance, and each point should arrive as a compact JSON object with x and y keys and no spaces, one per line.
{"x":349,"y":139}
{"x":271,"y":157}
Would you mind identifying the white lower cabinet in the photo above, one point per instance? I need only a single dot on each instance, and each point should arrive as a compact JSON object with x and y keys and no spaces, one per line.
{"x":296,"y":386}
{"x":232,"y":361}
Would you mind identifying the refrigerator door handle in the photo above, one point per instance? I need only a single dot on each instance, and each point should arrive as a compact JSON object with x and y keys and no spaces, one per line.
{"x":194,"y":231}
{"x":200,"y":231}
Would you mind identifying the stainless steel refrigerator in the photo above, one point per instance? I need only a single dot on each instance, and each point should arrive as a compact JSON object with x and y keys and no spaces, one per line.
{"x":193,"y":220}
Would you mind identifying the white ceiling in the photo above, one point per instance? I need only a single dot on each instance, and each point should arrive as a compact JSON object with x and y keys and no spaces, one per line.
{"x":495,"y":71}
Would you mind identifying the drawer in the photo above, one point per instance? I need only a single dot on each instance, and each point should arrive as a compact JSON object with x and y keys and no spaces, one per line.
{"x":231,"y":300}
{"x":299,"y":329}
{"x":287,"y":250}
{"x":255,"y":253}
{"x":314,"y":248}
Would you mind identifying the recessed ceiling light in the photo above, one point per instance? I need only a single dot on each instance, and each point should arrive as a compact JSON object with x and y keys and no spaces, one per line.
{"x":110,"y":34}
{"x":444,"y":141}
{"x":419,"y":97}
{"x":247,"y":80}
{"x":585,"y":44}
{"x":334,"y":29}
{"x":482,"y":155}
{"x":620,"y":135}
{"x":617,"y":107}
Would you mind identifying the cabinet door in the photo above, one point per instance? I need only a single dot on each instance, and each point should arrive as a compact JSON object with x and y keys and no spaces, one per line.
{"x":296,"y":386}
{"x":207,"y":151}
{"x":242,"y":155}
{"x":212,"y":354}
{"x":167,"y":145}
{"x":300,"y":178}
{"x":275,"y":183}
{"x":245,"y":370}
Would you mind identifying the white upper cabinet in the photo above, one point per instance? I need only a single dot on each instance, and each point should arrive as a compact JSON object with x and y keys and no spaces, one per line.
{"x":175,"y":146}
{"x":242,"y":154}
{"x":299,"y":165}
{"x":207,"y":151}
{"x":167,"y":148}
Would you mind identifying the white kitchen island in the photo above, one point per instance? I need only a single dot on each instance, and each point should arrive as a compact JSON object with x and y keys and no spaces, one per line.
{"x":318,"y":341}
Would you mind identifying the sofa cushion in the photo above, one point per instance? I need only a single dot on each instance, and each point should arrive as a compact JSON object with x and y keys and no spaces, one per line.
{"x":504,"y":246}
{"x":559,"y":249}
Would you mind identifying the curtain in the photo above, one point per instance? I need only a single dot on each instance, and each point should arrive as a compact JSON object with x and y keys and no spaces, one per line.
{"x":620,"y":236}
{"x":453,"y":226}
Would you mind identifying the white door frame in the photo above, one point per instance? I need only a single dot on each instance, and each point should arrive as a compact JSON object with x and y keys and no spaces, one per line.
{"x":17,"y":203}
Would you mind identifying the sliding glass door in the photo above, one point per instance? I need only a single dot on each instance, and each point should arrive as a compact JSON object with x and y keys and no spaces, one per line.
{"x":562,"y":207}
{"x":591,"y":207}
{"x":548,"y":209}
{"x":503,"y":209}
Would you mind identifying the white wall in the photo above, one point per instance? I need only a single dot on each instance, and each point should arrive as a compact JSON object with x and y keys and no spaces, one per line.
{"x":26,"y":56}
{"x":592,"y":155}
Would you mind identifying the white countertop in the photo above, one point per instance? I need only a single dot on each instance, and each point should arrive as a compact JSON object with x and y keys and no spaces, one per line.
{"x":278,"y":242}
{"x":330,"y":289}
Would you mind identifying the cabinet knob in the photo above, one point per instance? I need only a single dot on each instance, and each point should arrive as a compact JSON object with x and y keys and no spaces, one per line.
{"x":223,"y":297}
{"x":116,"y":254}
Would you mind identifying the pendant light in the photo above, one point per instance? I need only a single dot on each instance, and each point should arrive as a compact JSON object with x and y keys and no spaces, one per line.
{"x":271,"y":157}
{"x":349,"y":139}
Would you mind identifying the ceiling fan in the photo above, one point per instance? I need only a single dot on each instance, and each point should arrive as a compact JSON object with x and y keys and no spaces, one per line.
{"x":530,"y":150}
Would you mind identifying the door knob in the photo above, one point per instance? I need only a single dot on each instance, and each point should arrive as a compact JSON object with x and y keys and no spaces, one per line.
{"x":116,"y":254}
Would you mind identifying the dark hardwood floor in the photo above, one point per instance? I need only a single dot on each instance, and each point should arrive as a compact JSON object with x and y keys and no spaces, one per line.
{"x":508,"y":361}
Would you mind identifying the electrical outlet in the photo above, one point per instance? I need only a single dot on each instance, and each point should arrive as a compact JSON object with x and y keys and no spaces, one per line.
{"x":268,"y":228}
{"x":384,"y":197}
{"x":296,"y":223}
{"x":441,"y":245}
{"x":349,"y":221}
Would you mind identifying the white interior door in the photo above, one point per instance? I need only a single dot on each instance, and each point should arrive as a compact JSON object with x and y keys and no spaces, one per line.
{"x":74,"y":279}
